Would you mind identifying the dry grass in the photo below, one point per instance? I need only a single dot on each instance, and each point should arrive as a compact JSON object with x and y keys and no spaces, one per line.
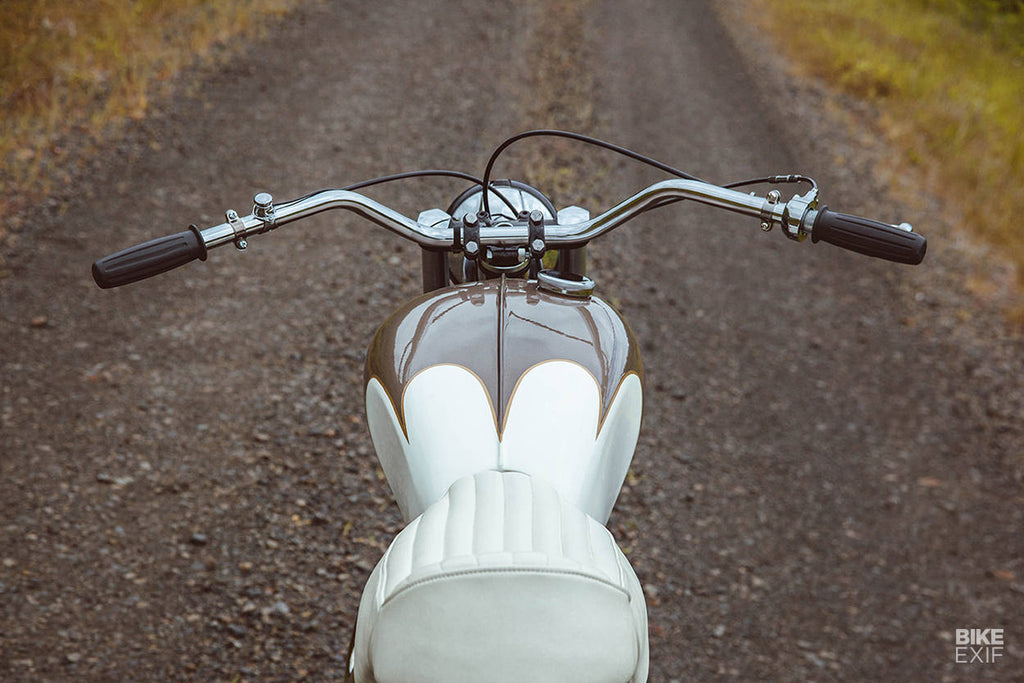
{"x":76,"y":68}
{"x":948,"y":79}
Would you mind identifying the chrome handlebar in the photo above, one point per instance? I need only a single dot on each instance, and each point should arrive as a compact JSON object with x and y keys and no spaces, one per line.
{"x":796,"y":216}
{"x":799,"y":218}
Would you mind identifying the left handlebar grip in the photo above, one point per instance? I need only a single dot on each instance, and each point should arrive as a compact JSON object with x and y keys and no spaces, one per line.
{"x":149,"y":258}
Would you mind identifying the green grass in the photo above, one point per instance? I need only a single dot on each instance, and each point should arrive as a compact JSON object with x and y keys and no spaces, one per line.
{"x":948,"y":79}
{"x":80,"y":67}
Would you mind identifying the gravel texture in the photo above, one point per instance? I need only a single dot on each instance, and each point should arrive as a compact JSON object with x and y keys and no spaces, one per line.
{"x":828,"y":481}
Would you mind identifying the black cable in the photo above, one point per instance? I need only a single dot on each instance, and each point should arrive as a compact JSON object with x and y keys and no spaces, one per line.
{"x":418,"y":174}
{"x":744,"y":183}
{"x":773,"y":180}
{"x":579,"y":138}
{"x":449,"y":174}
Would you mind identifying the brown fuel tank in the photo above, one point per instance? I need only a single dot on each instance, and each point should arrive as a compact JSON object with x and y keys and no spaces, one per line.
{"x":498,"y":329}
{"x":502,"y":375}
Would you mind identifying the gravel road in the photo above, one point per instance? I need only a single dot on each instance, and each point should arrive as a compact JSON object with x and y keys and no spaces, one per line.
{"x":828,"y":482}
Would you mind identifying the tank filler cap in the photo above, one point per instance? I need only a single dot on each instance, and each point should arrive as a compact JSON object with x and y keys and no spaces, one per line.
{"x":567,"y":284}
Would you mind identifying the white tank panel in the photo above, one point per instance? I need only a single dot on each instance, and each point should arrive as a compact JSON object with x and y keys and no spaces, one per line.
{"x":553,"y":430}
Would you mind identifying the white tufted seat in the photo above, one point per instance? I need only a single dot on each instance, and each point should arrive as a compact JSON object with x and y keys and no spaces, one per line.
{"x":501,"y":580}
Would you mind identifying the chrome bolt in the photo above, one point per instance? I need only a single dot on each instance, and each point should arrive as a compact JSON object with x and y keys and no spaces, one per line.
{"x":472,"y":248}
{"x":241,"y":244}
{"x":766,"y":226}
{"x":536,"y":216}
{"x":774,"y":196}
{"x":231,"y":215}
{"x":470,"y":219}
{"x":537,"y":245}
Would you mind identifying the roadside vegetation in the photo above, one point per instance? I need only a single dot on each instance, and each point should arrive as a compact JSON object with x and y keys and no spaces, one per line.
{"x":947,"y":77}
{"x":70,"y":71}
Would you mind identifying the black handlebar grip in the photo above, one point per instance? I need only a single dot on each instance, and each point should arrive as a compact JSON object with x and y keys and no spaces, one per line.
{"x":149,"y":259}
{"x":866,"y":236}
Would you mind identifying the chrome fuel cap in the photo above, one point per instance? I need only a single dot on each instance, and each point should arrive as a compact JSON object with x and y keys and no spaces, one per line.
{"x":568,"y":284}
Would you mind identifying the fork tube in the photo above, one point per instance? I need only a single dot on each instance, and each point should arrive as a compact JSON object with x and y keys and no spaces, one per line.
{"x":572,"y":260}
{"x":435,"y":269}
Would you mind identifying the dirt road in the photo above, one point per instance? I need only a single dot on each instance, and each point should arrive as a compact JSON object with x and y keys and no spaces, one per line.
{"x":827,"y":484}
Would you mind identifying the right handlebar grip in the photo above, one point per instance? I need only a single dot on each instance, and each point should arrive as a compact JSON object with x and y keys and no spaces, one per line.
{"x":869,"y":237}
{"x":149,"y":258}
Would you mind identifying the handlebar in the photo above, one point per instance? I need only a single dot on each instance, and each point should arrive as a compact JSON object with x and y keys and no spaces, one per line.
{"x":798,"y":218}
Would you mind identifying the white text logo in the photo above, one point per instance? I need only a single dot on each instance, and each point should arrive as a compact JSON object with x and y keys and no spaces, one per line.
{"x":978,"y":645}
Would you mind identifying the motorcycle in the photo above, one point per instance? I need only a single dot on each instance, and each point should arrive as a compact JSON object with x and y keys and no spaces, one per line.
{"x":504,"y":406}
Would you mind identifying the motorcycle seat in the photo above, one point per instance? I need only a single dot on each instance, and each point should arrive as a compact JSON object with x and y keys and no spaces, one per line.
{"x":502,"y":580}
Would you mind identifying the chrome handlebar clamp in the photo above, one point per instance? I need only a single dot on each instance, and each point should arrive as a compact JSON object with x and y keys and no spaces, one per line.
{"x":768,"y":210}
{"x":237,"y":229}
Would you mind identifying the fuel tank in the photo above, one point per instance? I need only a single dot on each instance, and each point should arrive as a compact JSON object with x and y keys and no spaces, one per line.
{"x":503,"y":375}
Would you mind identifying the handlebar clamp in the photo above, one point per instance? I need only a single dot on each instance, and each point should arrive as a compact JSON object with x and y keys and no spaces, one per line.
{"x":537,"y":243}
{"x":471,"y":235}
{"x":768,"y":210}
{"x":237,"y":227}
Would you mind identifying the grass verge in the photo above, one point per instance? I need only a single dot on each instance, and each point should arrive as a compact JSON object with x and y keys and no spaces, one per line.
{"x":70,"y":72}
{"x":947,"y":77}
